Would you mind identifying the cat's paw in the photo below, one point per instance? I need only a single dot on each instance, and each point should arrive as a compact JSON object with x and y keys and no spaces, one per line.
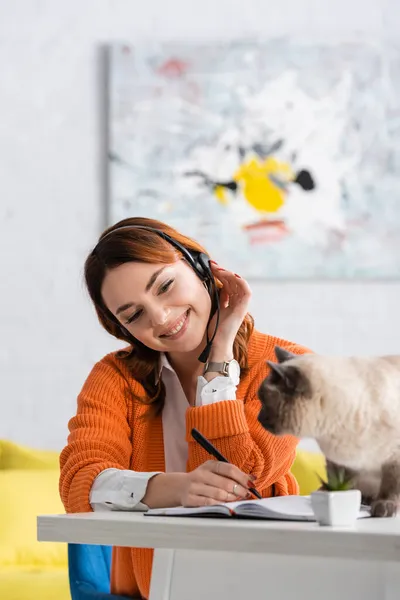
{"x":384,"y":508}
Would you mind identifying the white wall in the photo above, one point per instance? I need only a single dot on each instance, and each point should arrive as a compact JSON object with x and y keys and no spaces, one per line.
{"x":51,"y":174}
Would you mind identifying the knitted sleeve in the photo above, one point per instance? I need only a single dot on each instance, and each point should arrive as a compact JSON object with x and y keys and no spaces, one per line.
{"x":100,"y":435}
{"x":233,"y":428}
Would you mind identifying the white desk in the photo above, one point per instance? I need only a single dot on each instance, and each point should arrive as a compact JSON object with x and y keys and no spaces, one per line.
{"x":228,"y":559}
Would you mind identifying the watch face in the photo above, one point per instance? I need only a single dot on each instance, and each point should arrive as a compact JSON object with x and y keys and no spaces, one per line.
{"x":234,"y":371}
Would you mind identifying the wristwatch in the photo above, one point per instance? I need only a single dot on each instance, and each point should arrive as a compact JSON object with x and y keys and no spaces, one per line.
{"x":227,"y":369}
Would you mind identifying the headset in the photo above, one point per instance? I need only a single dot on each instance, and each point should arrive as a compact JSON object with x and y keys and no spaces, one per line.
{"x":199,"y":262}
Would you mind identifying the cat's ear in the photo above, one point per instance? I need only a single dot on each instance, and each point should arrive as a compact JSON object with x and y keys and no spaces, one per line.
{"x":283,"y":355}
{"x":277,"y":373}
{"x":287,"y":377}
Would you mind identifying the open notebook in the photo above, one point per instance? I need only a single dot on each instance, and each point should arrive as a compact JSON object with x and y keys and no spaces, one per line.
{"x":281,"y":508}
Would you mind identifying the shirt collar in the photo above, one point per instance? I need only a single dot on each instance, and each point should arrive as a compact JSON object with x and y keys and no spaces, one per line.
{"x":164,"y":364}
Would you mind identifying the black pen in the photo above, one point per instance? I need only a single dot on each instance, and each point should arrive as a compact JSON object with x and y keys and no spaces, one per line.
{"x":208,"y":447}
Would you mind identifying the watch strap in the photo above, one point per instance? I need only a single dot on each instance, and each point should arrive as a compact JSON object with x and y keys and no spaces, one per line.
{"x":217,"y":367}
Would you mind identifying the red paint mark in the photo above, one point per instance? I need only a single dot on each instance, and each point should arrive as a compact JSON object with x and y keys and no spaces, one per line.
{"x":265,"y":224}
{"x":266,"y":232}
{"x":173,"y":68}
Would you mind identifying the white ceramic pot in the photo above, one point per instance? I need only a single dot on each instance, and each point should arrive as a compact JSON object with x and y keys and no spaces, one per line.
{"x":340,"y":509}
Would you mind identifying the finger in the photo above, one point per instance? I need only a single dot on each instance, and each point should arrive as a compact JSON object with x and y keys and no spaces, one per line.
{"x":236,"y":290}
{"x":204,"y":501}
{"x":243,"y":288}
{"x":215,"y":493}
{"x":224,"y":298}
{"x":230,"y":471}
{"x":229,"y":486}
{"x":229,"y":281}
{"x":222,"y":273}
{"x":235,"y":285}
{"x":214,"y":266}
{"x":224,"y":291}
{"x":195,"y":501}
{"x":241,"y":283}
{"x":241,"y":299}
{"x":224,"y":475}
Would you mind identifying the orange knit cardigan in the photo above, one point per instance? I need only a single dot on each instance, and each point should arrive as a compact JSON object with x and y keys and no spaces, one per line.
{"x":107,"y":432}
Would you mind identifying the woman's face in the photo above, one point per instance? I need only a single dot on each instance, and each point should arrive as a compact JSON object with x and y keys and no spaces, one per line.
{"x":164,"y":306}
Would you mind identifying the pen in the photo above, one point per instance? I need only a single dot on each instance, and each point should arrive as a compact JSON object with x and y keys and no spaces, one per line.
{"x":208,"y":446}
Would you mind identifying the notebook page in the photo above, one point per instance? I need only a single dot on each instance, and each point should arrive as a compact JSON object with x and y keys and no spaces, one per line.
{"x":283,"y":506}
{"x":182,"y":511}
{"x":296,"y":508}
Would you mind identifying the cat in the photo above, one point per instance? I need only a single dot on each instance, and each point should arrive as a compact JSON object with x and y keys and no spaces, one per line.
{"x":351,"y":407}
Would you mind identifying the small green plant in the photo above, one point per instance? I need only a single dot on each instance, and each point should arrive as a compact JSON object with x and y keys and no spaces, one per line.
{"x":338,"y":479}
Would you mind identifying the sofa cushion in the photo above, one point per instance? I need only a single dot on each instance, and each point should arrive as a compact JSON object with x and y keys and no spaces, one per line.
{"x":15,"y":456}
{"x":34,"y":583}
{"x":27,"y":493}
{"x":306,"y":468}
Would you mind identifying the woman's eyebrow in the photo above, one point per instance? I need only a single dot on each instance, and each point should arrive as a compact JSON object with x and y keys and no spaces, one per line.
{"x":153,"y":278}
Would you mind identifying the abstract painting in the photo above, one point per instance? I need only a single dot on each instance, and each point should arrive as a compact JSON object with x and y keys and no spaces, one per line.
{"x":281,"y":158}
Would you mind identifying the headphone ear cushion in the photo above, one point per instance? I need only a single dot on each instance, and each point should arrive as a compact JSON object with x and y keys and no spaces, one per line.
{"x":203,"y":266}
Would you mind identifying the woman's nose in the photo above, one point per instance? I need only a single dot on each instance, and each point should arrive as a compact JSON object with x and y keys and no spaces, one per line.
{"x":158,"y":315}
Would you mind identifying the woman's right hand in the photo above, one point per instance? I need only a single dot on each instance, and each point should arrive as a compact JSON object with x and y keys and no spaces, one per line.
{"x":214,"y":482}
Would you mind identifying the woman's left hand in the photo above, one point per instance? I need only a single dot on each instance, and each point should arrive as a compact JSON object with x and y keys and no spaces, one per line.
{"x":234,"y":299}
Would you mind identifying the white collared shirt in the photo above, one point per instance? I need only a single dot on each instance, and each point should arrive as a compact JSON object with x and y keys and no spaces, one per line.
{"x":119,"y":489}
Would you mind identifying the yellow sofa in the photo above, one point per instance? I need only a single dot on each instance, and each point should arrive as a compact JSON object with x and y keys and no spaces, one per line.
{"x":308,"y":467}
{"x":30,"y":570}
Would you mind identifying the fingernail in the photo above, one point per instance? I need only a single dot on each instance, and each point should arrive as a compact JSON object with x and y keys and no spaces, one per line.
{"x":213,"y":262}
{"x":248,"y":495}
{"x":252,"y":477}
{"x":250,"y":483}
{"x":238,"y":276}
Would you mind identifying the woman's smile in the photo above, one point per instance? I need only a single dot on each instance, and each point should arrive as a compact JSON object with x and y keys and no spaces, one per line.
{"x":178,"y":328}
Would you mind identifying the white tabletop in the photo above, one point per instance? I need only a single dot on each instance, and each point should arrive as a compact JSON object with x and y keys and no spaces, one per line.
{"x":376,"y":539}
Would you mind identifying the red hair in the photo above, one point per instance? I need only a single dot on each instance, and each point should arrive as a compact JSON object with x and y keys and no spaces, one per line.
{"x":117,"y":246}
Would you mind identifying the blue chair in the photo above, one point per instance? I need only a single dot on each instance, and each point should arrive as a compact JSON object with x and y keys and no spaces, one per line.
{"x":89,"y":572}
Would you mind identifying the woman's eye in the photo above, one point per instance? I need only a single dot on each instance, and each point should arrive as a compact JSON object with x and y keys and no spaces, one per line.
{"x":161,"y":290}
{"x":165,"y":286}
{"x":133,"y":317}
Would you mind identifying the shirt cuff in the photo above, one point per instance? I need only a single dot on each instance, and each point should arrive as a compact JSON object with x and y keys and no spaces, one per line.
{"x":219,"y":388}
{"x":118,"y":489}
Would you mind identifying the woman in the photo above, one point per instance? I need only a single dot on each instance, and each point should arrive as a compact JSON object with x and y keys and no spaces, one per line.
{"x":193,"y":360}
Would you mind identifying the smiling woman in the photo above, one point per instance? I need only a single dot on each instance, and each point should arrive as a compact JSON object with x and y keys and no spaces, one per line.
{"x":158,"y":305}
{"x":193,"y":359}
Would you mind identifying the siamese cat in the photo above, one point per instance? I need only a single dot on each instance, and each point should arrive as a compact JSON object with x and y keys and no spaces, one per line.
{"x":351,"y":407}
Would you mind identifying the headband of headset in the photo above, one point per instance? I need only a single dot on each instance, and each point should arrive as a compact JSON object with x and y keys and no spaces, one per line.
{"x":199,"y":261}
